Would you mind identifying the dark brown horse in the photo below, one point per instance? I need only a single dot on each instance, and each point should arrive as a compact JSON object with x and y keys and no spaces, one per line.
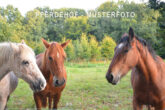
{"x":148,"y":71}
{"x":51,"y":64}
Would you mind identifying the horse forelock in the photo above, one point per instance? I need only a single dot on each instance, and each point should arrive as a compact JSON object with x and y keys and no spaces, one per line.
{"x":126,"y":41}
{"x":56,"y":48}
{"x":25,"y":49}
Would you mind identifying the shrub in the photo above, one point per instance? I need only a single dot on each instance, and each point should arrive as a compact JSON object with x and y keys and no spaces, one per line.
{"x":78,"y":49}
{"x":37,"y":47}
{"x":95,"y":49}
{"x":107,"y":47}
{"x":86,"y":49}
{"x":70,"y":51}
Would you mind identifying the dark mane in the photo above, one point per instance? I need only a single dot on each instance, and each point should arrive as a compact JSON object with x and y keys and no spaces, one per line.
{"x":125,"y":39}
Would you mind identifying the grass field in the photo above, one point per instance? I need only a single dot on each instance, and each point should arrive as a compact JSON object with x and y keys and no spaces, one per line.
{"x":86,"y":88}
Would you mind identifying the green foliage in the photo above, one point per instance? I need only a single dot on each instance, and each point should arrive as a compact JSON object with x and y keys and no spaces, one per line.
{"x":78,"y":50}
{"x":148,"y":23}
{"x":5,"y":33}
{"x":159,"y":6}
{"x":10,"y":24}
{"x":86,"y":48}
{"x":34,"y":26}
{"x":95,"y":49}
{"x":70,"y":51}
{"x":145,"y":18}
{"x":107,"y":47}
{"x":38,"y":47}
{"x":75,"y":26}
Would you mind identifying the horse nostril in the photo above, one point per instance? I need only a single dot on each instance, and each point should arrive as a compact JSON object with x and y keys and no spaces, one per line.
{"x":42,"y":85}
{"x":64,"y":81}
{"x":57,"y":82}
{"x":109,"y":77}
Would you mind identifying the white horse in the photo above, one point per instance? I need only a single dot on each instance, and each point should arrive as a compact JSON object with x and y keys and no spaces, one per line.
{"x":7,"y":85}
{"x":20,"y":59}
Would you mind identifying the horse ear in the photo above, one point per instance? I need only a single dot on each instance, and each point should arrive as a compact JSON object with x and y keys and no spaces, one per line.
{"x":45,"y":43}
{"x":16,"y":49}
{"x":23,"y":42}
{"x":65,"y":44}
{"x":131,"y":33}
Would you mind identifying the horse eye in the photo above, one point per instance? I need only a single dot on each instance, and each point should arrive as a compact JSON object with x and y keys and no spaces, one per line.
{"x":125,"y":51}
{"x":25,"y":62}
{"x":50,"y":58}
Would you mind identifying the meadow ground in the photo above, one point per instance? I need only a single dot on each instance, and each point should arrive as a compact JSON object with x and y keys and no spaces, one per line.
{"x":86,"y":88}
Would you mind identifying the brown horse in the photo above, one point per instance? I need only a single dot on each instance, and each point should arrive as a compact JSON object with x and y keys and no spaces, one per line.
{"x":148,"y":71}
{"x":51,"y":64}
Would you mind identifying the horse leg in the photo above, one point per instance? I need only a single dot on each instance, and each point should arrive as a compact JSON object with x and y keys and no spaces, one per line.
{"x":56,"y":100}
{"x":38,"y":101}
{"x":150,"y":107}
{"x":136,"y":106}
{"x":6,"y":102}
{"x":50,"y":102}
{"x":3,"y":102}
{"x":160,"y":106}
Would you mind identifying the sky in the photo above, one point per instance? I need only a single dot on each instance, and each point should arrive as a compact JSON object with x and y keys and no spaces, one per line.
{"x":27,"y":5}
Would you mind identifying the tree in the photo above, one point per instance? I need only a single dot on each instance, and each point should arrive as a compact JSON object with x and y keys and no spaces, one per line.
{"x":95,"y":49}
{"x":159,"y":6}
{"x":70,"y":51}
{"x":145,"y":19}
{"x":86,"y":49}
{"x":57,"y":27}
{"x":5,"y":30}
{"x":13,"y":23}
{"x":34,"y":25}
{"x":78,"y":49}
{"x":75,"y":26}
{"x":107,"y":47}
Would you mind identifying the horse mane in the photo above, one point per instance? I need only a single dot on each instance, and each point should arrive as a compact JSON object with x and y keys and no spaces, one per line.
{"x":10,"y":50}
{"x":6,"y":52}
{"x":125,"y":39}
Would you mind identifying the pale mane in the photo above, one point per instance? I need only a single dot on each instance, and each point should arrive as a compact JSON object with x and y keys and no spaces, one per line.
{"x":5,"y":53}
{"x":9,"y":50}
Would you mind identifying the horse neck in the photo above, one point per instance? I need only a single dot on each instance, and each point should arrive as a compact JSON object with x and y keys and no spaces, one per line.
{"x":5,"y":69}
{"x":6,"y":59}
{"x":147,"y":66}
{"x":44,"y":65}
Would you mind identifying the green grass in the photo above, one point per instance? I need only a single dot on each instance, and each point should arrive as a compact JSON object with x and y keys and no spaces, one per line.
{"x":86,"y":88}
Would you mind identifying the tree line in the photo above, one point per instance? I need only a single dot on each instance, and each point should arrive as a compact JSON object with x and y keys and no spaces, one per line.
{"x":92,"y":38}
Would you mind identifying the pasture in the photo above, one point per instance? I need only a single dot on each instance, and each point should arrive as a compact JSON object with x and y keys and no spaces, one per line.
{"x":86,"y":88}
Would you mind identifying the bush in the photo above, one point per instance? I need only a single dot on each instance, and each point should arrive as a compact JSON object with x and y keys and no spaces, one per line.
{"x":95,"y":49}
{"x":78,"y":49}
{"x":86,"y":49}
{"x":107,"y":47}
{"x":70,"y":51}
{"x":37,"y":47}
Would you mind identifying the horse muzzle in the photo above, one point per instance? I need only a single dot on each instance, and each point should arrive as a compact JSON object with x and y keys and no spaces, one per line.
{"x":38,"y":86}
{"x":111,"y":79}
{"x":57,"y":82}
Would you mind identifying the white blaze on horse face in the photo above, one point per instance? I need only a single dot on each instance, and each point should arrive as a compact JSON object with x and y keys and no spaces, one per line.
{"x":120,"y":45}
{"x":58,"y":56}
